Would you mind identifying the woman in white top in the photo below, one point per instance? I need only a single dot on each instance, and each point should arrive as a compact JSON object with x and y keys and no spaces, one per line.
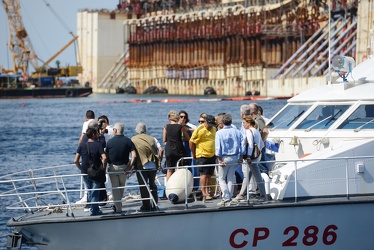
{"x":253,"y":136}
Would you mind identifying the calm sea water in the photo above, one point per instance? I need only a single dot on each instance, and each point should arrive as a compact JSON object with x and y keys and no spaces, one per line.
{"x":44,"y":132}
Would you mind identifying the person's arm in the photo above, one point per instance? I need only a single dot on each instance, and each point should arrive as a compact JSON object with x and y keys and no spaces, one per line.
{"x":132,"y":162}
{"x":164,"y":135}
{"x":185,"y":133}
{"x":160,"y":149}
{"x":104,"y":160}
{"x":193,"y":149}
{"x":76,"y":161}
{"x":80,"y":139}
{"x":160,"y":153}
{"x":243,"y":146}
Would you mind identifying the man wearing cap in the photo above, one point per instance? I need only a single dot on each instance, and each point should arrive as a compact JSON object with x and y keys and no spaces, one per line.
{"x":118,"y":150}
{"x":148,"y":160}
{"x":202,"y":144}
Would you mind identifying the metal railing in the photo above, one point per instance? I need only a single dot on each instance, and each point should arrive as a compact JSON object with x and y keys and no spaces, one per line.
{"x":56,"y":187}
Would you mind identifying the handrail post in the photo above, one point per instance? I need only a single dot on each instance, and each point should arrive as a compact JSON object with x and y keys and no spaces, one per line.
{"x":346,"y":177}
{"x":67,"y":198}
{"x":186,"y":189}
{"x":248,"y":180}
{"x":295,"y":162}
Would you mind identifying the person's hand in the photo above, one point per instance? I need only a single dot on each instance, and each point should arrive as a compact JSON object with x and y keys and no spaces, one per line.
{"x":222,"y":163}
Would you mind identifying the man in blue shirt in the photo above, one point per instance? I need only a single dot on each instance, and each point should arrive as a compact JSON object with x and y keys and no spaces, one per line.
{"x":230,"y":148}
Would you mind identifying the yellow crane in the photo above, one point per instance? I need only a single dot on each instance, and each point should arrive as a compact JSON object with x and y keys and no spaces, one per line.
{"x":19,"y":43}
{"x":22,"y":50}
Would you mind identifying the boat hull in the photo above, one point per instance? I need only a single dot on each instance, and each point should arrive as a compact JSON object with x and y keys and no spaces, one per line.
{"x":310,"y":226}
{"x":46,"y":92}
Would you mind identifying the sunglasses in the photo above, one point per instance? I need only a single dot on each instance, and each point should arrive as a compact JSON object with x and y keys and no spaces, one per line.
{"x":199,"y":121}
{"x":182,"y":116}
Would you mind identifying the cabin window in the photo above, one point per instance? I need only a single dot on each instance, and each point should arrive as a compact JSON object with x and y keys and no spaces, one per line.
{"x":361,"y":118}
{"x":288,"y":116}
{"x":322,"y":117}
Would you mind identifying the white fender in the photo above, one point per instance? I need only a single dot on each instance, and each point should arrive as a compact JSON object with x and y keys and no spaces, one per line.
{"x":175,"y":187}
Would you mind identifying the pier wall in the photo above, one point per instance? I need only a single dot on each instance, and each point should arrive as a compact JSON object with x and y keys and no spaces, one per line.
{"x":234,"y":50}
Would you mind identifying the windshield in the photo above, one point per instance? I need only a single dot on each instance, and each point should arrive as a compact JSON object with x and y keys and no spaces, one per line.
{"x":362,"y":118}
{"x":322,"y":117}
{"x":288,"y":116}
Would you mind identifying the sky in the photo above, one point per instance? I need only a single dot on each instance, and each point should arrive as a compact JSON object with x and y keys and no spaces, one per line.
{"x":49,"y":27}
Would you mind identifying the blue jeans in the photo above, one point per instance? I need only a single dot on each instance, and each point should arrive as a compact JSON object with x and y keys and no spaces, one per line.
{"x":92,"y":195}
{"x":255,"y":170}
{"x":226,"y":176}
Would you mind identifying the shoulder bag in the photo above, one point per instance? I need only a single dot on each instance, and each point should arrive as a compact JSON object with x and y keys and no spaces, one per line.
{"x":95,"y":173}
{"x":256,"y":150}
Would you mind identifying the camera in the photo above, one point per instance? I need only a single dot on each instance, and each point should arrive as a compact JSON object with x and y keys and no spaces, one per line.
{"x":100,"y":124}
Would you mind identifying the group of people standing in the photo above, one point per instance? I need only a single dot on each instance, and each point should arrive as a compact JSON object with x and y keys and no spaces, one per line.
{"x":106,"y":145}
{"x":215,"y":144}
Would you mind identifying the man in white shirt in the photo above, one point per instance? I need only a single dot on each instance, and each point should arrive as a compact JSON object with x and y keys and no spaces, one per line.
{"x":90,"y":115}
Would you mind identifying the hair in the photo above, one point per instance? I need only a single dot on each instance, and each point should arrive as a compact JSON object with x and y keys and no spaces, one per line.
{"x":227,"y":119}
{"x":260,"y":110}
{"x":218,"y":119}
{"x":90,"y":114}
{"x":184,"y":112}
{"x":103,"y":117}
{"x":254,"y":106}
{"x":91,"y":132}
{"x":223,"y":113}
{"x":203,"y":115}
{"x":120,"y":127}
{"x":93,"y":124}
{"x":173,"y":116}
{"x":249,"y":119}
{"x":245,"y":110}
{"x":140,"y":128}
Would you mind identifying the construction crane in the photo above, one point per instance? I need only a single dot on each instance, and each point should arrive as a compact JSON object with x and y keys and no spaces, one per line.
{"x":22,"y":50}
{"x":19,"y":42}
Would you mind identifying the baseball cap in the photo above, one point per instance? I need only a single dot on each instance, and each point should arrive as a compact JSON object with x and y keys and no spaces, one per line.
{"x":210,"y":120}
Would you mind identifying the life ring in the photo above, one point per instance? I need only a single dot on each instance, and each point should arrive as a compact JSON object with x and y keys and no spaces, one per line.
{"x":69,"y":93}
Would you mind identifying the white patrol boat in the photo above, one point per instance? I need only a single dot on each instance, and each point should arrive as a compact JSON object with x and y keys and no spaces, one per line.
{"x":322,"y":189}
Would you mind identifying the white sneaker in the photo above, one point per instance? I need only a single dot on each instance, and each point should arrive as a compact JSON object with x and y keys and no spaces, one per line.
{"x":224,"y":203}
{"x":107,"y":205}
{"x":239,"y":197}
{"x":83,"y":200}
